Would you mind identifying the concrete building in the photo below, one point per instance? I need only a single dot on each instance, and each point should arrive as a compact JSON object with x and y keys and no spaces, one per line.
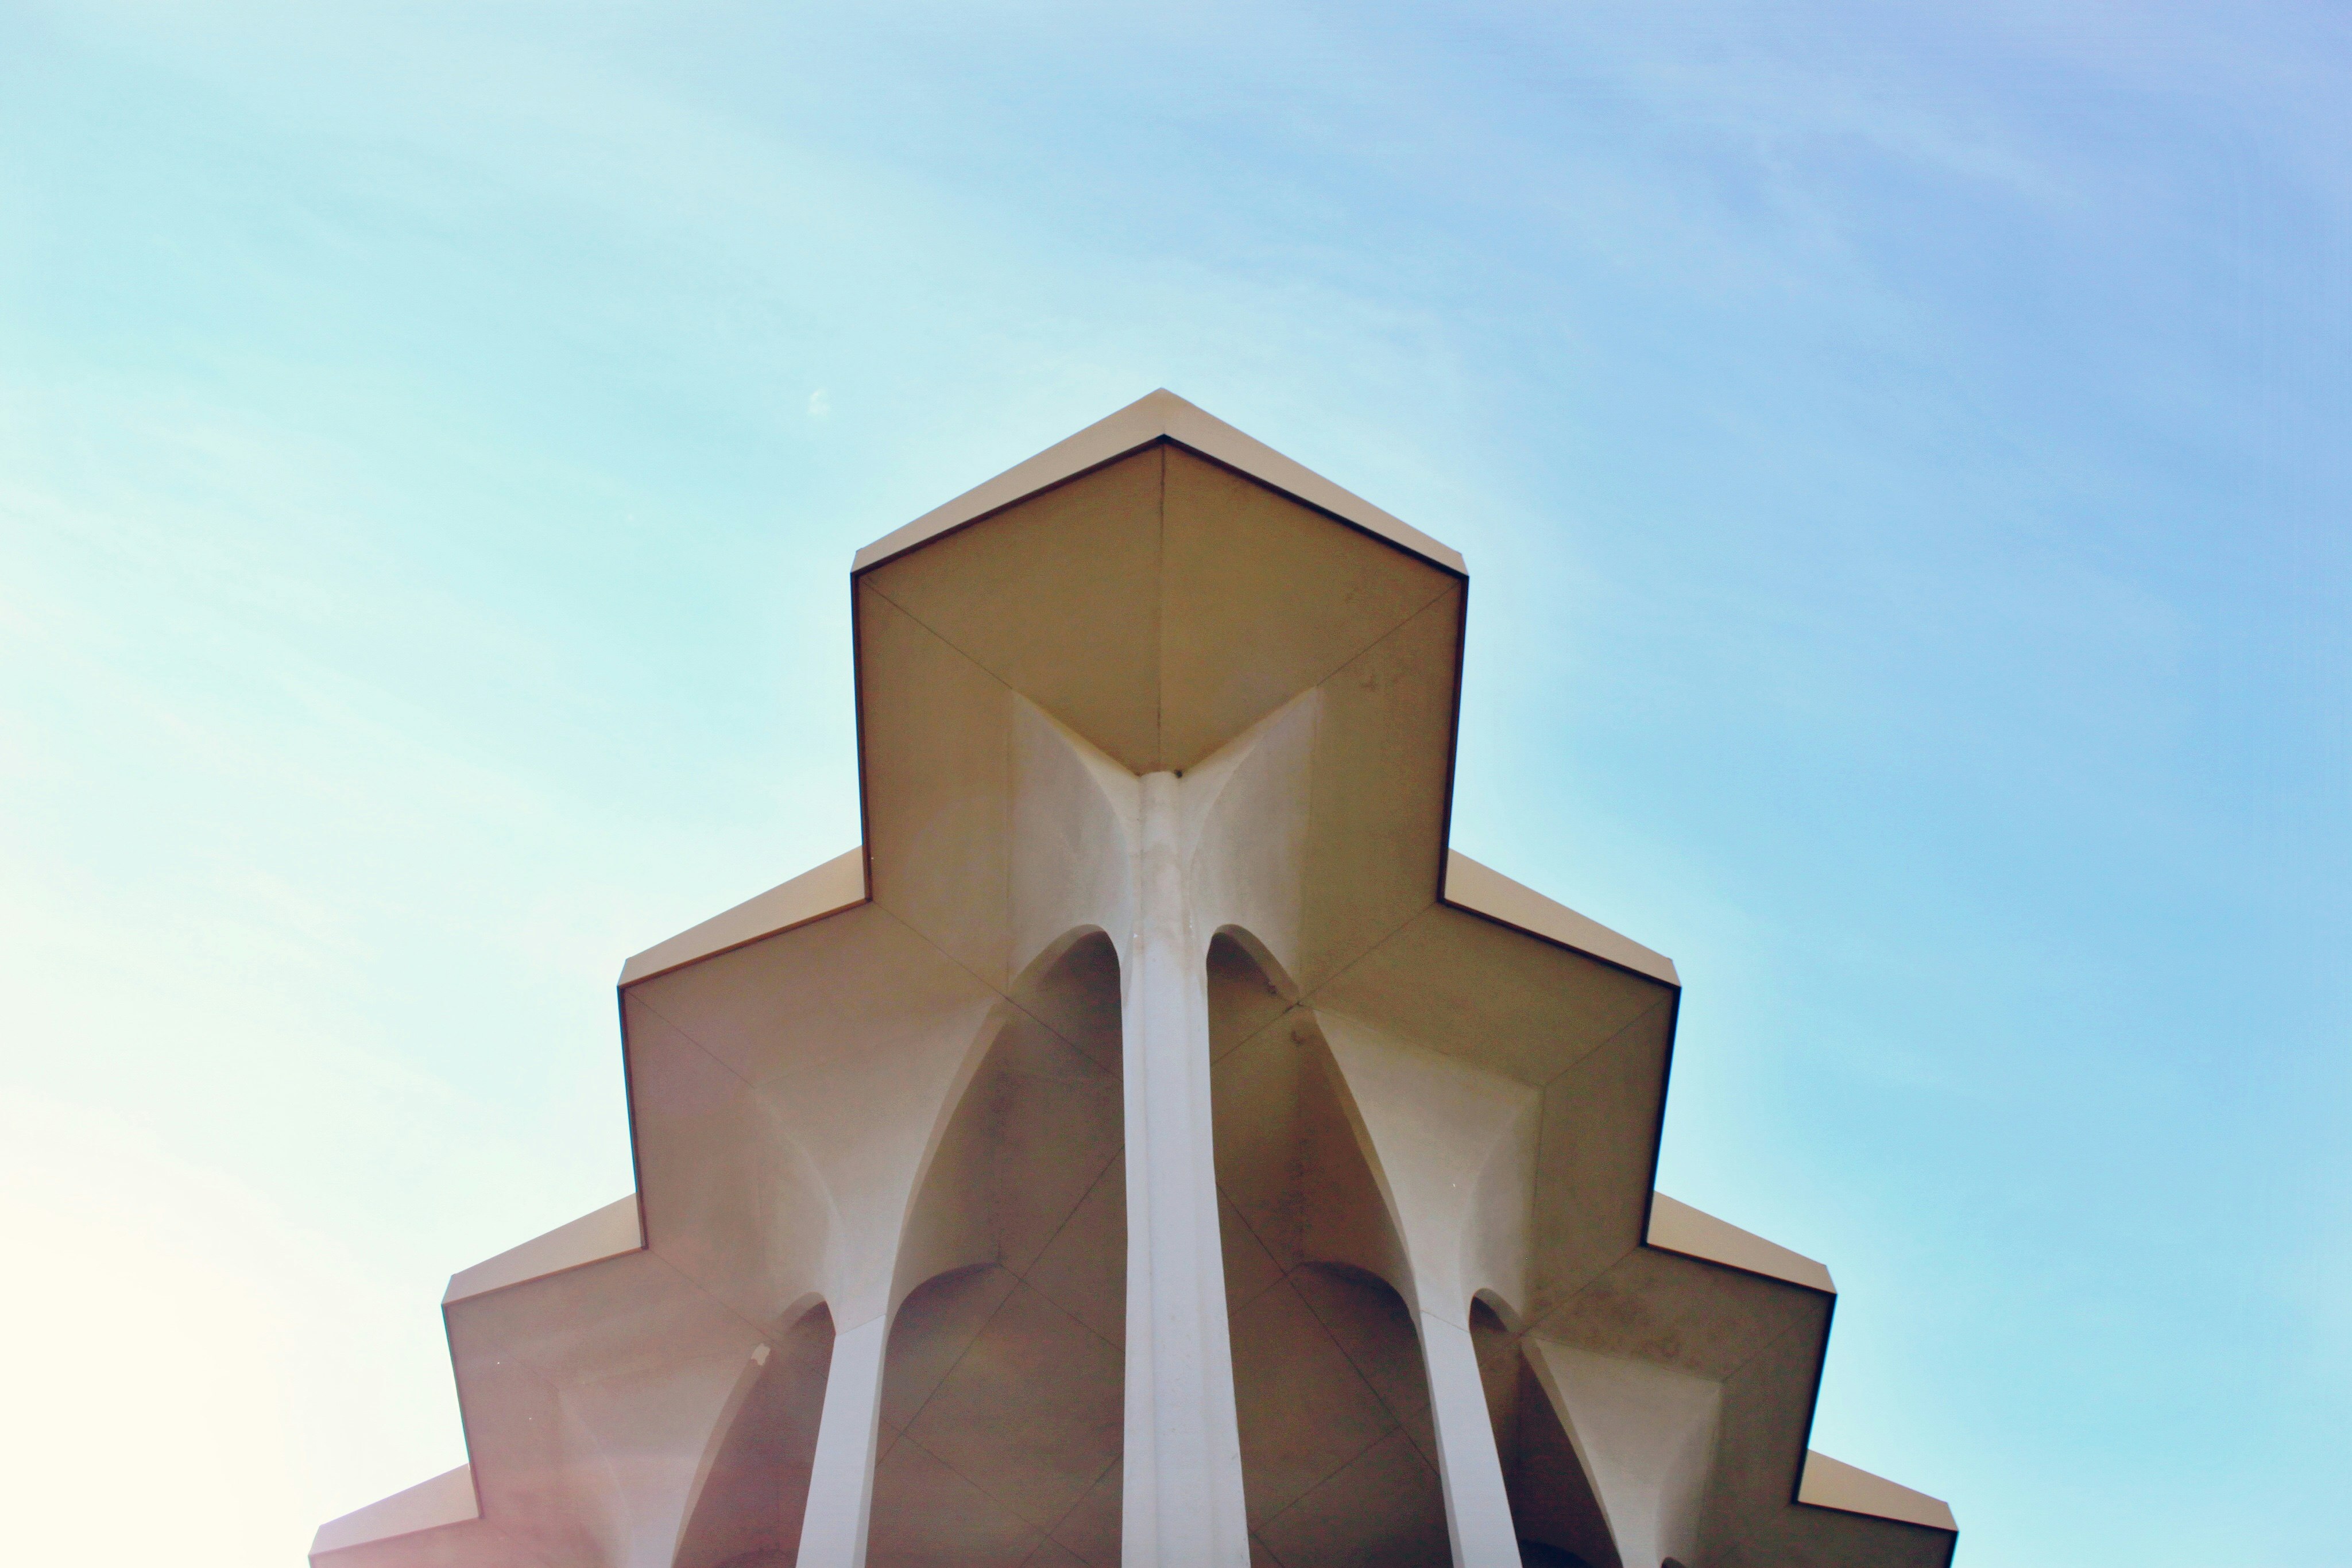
{"x":1153,"y":1146}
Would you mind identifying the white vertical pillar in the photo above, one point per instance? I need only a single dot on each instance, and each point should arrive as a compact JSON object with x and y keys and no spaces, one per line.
{"x":841,"y":1478}
{"x":1182,"y":1488}
{"x":1477,"y":1507}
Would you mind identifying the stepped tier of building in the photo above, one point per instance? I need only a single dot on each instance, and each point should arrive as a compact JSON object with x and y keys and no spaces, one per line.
{"x":1153,"y":1146}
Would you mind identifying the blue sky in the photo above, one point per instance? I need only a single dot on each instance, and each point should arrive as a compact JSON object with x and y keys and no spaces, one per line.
{"x":1900,"y":454}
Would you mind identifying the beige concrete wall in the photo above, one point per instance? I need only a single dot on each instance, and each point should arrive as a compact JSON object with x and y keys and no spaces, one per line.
{"x":1154,"y":1144}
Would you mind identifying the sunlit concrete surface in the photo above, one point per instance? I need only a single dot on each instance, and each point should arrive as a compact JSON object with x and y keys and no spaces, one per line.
{"x":1153,"y":1146}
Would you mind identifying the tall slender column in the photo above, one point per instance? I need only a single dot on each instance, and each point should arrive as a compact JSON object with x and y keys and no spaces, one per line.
{"x":1477,"y":1509}
{"x":1182,"y":1487}
{"x":841,"y":1478}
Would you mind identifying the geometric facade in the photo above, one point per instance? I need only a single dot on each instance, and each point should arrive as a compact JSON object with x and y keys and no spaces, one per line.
{"x":1153,"y":1146}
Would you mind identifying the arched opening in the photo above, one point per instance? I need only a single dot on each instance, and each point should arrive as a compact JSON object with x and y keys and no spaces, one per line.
{"x":1338,"y":1457}
{"x":747,"y":1512}
{"x":1004,"y":1384}
{"x":1558,"y":1521}
{"x":1552,"y":1510}
{"x":1248,"y":978}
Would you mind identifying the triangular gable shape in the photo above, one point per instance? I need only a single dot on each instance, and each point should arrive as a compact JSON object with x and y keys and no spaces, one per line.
{"x":1161,"y":601}
{"x":1157,"y":415}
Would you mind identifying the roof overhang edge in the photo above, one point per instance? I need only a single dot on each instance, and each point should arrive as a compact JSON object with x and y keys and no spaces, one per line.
{"x":1158,"y":416}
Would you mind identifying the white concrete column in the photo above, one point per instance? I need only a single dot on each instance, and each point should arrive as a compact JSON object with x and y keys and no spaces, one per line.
{"x":841,"y":1478}
{"x":1477,"y":1507}
{"x":1182,"y":1487}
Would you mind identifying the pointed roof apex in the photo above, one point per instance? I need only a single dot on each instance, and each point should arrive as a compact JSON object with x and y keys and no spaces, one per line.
{"x":1158,"y":416}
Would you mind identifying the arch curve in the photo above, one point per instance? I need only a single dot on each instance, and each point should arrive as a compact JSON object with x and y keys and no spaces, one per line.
{"x":751,"y":1489}
{"x":1009,"y":1298}
{"x":1270,"y":968}
{"x":1508,"y":1318}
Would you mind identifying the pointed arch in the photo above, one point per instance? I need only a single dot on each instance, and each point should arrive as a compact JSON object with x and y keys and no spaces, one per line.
{"x":1329,"y":1389}
{"x":1010,"y":1305}
{"x":1269,"y":971}
{"x":754,"y":1487}
{"x":1554,"y":1507}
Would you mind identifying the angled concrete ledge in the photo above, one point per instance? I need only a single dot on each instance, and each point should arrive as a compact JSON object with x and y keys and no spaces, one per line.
{"x":1676,"y":1226}
{"x":447,"y":1498}
{"x":1834,"y":1483}
{"x":1155,"y":416}
{"x":609,"y":1232}
{"x":1152,"y":1146}
{"x":1483,"y":891}
{"x":836,"y":885}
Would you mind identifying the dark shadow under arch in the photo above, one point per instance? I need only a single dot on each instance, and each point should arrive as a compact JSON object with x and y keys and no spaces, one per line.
{"x":1552,"y":1505}
{"x":1004,"y":1384}
{"x":1338,"y":1457}
{"x":1263,"y":969}
{"x":748,"y":1511}
{"x":1072,"y":987}
{"x":1535,"y":1554}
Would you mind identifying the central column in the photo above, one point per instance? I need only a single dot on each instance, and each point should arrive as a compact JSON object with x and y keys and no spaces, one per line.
{"x":841,"y":1475}
{"x":1183,"y":1505}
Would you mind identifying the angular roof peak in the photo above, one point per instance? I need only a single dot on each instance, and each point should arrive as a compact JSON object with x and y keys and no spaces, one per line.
{"x":1159,"y":415}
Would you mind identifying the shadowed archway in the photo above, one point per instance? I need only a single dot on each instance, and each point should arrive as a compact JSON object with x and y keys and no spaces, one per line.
{"x":1002,"y":1394}
{"x":1338,"y":1458}
{"x":748,"y":1510}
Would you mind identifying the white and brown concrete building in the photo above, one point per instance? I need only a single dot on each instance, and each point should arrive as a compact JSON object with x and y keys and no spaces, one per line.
{"x":1153,"y":1146}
